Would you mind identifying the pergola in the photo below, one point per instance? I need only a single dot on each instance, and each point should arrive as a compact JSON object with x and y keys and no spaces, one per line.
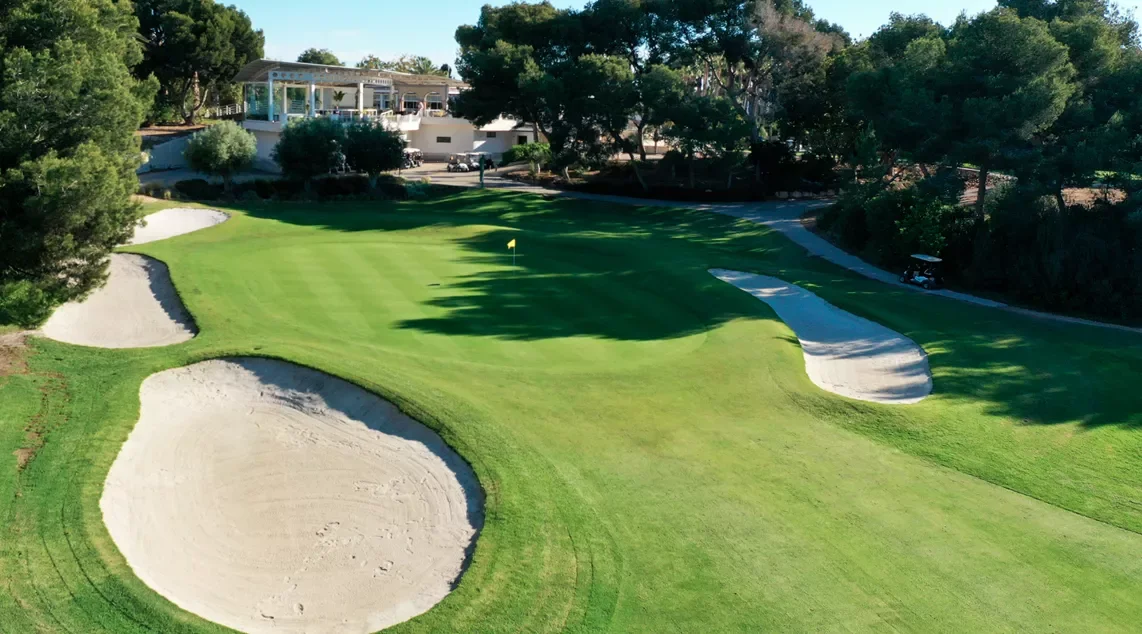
{"x":314,"y":76}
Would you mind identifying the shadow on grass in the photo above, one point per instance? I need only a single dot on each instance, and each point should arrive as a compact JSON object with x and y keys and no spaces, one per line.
{"x":639,"y":273}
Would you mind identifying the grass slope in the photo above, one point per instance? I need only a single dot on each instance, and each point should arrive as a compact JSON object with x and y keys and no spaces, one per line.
{"x":654,"y":457}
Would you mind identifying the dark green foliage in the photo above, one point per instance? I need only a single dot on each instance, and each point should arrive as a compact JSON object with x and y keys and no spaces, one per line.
{"x":311,"y":147}
{"x":222,"y":150}
{"x":1078,"y":260}
{"x":194,"y":48}
{"x":371,"y":149}
{"x":330,"y":187}
{"x":319,"y":56}
{"x":538,"y":154}
{"x":887,"y":225}
{"x":68,"y":111}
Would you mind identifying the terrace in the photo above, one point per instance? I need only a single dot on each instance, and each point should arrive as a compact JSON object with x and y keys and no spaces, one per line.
{"x":277,"y":92}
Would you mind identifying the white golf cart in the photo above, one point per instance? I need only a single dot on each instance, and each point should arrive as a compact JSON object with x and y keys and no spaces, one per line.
{"x":924,"y":271}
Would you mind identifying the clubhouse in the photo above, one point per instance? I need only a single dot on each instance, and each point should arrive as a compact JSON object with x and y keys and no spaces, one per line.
{"x":418,"y":106}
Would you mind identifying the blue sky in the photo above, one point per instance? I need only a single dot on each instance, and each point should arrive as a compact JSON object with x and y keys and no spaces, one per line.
{"x":388,"y":28}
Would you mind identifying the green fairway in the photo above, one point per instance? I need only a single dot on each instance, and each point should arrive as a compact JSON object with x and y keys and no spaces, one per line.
{"x":655,"y":458}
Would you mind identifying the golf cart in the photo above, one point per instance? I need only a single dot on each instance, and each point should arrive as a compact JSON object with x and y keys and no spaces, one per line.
{"x":412,"y":158}
{"x":923,"y":271}
{"x":474,"y":160}
{"x":458,"y":163}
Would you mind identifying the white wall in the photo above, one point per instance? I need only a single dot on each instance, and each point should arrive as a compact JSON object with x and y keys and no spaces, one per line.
{"x":501,"y":143}
{"x":266,"y":143}
{"x":166,"y":156}
{"x":424,"y":139}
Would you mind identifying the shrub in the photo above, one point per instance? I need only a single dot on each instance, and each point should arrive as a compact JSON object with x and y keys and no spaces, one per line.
{"x":310,"y":147}
{"x":222,"y":150}
{"x":199,"y":189}
{"x":25,"y":304}
{"x":536,"y":154}
{"x":372,"y":149}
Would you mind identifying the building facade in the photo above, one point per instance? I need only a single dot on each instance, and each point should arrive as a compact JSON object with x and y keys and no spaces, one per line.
{"x":416,"y":106}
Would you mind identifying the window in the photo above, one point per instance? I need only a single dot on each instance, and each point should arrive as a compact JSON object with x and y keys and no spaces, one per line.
{"x":521,"y":140}
{"x":443,"y":139}
{"x":382,"y":100}
{"x":411,"y":102}
{"x":491,"y":135}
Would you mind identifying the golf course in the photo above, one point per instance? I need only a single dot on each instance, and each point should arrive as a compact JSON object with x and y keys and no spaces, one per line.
{"x":651,"y":454}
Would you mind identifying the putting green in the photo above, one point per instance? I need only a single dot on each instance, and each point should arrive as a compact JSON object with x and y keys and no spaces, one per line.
{"x":653,"y":454}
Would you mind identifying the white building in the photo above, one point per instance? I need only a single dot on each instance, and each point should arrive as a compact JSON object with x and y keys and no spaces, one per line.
{"x":416,"y":105}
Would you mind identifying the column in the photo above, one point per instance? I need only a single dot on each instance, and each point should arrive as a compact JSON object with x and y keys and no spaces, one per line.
{"x":270,"y":110}
{"x":312,"y":100}
{"x":361,"y":100}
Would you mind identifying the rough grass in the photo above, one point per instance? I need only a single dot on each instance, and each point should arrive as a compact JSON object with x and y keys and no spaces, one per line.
{"x":654,"y":457}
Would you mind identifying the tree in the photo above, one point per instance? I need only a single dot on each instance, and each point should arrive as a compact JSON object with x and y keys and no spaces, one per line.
{"x":754,"y":52}
{"x":1006,"y":79}
{"x":319,"y":56}
{"x":69,"y":107}
{"x":711,"y":126}
{"x":222,"y":150}
{"x":411,"y":64}
{"x":310,"y":148}
{"x":372,"y":149}
{"x":371,"y":62}
{"x":194,"y":48}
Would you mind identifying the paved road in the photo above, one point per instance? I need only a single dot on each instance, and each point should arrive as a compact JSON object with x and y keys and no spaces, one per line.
{"x":784,"y":217}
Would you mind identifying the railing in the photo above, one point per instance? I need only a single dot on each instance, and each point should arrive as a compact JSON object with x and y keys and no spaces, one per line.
{"x":222,"y":112}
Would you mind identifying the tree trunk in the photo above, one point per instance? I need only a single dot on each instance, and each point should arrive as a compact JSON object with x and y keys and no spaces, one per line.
{"x":638,"y":175}
{"x":641,"y":141}
{"x":567,"y":173}
{"x":1062,"y":202}
{"x":982,"y":195}
{"x":690,"y":168}
{"x":372,"y":181}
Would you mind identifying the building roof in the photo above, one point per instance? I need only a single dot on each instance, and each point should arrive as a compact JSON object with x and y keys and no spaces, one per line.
{"x":260,"y":70}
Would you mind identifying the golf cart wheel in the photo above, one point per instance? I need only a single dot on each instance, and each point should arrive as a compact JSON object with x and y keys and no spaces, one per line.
{"x":927,"y":285}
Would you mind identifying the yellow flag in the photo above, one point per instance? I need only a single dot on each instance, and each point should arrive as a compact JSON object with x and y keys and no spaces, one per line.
{"x":511,"y":245}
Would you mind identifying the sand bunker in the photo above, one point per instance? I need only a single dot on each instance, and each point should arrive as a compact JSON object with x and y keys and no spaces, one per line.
{"x":273,"y":498}
{"x":137,"y":308}
{"x":844,"y":354}
{"x":175,"y":222}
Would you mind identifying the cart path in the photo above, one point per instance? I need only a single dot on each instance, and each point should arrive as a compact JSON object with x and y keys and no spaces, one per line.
{"x":785,"y":217}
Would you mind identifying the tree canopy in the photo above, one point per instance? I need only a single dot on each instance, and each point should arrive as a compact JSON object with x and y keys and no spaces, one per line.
{"x":412,"y":64}
{"x":319,"y":56}
{"x":69,"y":107}
{"x":194,"y":48}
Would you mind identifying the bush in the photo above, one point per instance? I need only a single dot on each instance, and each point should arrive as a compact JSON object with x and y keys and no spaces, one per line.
{"x":311,"y":147}
{"x":222,"y":150}
{"x":888,"y":225}
{"x":537,"y":154}
{"x":1076,"y":259}
{"x":25,"y":304}
{"x":372,"y":149}
{"x":199,"y":189}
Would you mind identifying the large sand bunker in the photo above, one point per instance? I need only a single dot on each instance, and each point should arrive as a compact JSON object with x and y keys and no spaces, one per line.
{"x":137,"y":308}
{"x":273,"y":498}
{"x":175,"y":222}
{"x":844,"y":354}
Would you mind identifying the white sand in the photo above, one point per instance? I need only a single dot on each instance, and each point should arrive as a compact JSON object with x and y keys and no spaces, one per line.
{"x":844,"y":354}
{"x":175,"y":222}
{"x":137,"y":308}
{"x":272,"y":498}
